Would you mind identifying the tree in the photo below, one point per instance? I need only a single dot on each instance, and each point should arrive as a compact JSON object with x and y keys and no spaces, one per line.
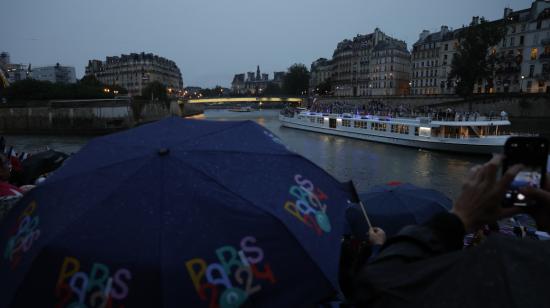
{"x":90,"y":80}
{"x":324,"y":88}
{"x":272,"y":89}
{"x":155,"y":89}
{"x":472,"y":61}
{"x":296,"y":80}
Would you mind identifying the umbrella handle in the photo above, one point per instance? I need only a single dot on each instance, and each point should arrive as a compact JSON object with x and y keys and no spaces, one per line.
{"x":365,"y":214}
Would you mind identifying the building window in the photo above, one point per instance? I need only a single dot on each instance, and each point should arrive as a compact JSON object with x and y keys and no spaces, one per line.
{"x":512,"y":41}
{"x":446,"y":46}
{"x":534,"y":52}
{"x":531,"y":70}
{"x":539,"y":24}
{"x":521,"y":40}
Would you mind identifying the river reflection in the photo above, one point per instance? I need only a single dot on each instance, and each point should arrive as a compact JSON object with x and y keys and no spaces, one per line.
{"x":367,"y":163}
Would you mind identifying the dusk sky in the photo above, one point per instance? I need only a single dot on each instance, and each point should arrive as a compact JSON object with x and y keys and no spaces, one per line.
{"x":211,"y":40}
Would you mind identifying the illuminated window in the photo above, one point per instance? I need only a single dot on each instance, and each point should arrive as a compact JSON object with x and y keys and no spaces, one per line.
{"x":425,"y":131}
{"x":346,"y":123}
{"x":534,"y":52}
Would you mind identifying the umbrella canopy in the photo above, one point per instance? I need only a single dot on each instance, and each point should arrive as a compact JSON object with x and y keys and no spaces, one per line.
{"x":395,"y":205}
{"x":176,"y":213}
{"x":502,"y":272}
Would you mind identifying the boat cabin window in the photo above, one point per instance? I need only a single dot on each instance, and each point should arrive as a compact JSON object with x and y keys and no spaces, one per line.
{"x":425,"y":131}
{"x":321,"y":120}
{"x":312,"y":119}
{"x":332,"y":123}
{"x":400,"y":129}
{"x":346,"y":123}
{"x":416,"y":131}
{"x":379,"y":126}
{"x":360,"y":124}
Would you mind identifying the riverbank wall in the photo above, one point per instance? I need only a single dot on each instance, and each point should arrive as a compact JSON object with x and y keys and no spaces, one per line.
{"x":83,"y":117}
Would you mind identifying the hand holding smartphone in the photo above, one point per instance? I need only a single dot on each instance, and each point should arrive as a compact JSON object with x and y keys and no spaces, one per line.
{"x":532,"y":153}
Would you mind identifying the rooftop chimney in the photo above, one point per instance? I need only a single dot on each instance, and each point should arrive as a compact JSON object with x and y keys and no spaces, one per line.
{"x":507,"y":12}
{"x":423,"y":35}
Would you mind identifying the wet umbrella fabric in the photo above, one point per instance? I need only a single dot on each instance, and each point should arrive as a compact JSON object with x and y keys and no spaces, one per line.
{"x":178,"y":212}
{"x":503,"y":272}
{"x":395,"y":205}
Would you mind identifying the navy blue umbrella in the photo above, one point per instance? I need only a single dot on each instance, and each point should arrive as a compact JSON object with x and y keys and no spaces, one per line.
{"x":395,"y":205}
{"x":184,"y":213}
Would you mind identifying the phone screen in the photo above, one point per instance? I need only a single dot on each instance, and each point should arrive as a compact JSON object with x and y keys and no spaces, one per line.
{"x":532,"y":153}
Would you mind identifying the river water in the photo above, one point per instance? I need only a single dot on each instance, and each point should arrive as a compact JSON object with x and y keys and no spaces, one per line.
{"x":366,"y":163}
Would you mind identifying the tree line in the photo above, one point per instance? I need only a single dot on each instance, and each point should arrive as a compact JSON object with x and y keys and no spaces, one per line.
{"x":86,"y":88}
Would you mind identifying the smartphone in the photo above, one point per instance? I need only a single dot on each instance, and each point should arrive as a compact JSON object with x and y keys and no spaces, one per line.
{"x":532,"y":153}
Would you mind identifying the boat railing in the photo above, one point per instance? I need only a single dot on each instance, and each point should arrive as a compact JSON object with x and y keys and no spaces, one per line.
{"x":412,"y":116}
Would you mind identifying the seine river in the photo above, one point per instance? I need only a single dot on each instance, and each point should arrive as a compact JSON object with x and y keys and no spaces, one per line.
{"x":366,"y":163}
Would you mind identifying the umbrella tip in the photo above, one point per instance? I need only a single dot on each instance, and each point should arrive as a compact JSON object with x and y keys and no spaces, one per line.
{"x":163,"y":151}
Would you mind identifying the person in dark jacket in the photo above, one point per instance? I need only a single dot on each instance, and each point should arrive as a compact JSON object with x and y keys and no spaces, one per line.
{"x":478,"y":204}
{"x":358,"y":246}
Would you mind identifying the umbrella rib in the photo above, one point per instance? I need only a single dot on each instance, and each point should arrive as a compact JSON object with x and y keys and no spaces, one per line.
{"x":252,"y":204}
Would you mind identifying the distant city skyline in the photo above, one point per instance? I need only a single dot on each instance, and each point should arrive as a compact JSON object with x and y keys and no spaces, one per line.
{"x":209,"y":40}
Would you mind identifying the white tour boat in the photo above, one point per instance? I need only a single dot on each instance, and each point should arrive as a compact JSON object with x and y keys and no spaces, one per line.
{"x":480,"y":135}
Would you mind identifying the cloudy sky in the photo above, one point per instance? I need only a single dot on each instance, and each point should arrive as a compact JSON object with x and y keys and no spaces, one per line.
{"x":210,"y":40}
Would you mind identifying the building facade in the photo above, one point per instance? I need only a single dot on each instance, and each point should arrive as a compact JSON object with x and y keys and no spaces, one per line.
{"x":521,"y":61}
{"x":134,"y":71}
{"x":372,"y":64}
{"x":389,"y":69}
{"x":320,"y":72}
{"x":55,"y":74}
{"x":432,"y":56}
{"x":524,"y":54}
{"x":254,"y":83}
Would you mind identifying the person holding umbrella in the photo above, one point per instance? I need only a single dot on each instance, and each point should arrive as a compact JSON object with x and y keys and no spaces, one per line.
{"x":425,"y":265}
{"x":361,"y":243}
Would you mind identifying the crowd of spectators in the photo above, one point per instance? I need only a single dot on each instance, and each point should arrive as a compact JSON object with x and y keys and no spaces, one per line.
{"x":379,"y":108}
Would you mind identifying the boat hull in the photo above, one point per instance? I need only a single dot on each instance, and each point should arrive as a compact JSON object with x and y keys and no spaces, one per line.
{"x":438,"y":144}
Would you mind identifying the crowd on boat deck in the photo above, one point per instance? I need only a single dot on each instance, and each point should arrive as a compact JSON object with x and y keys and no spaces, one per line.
{"x":379,"y":108}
